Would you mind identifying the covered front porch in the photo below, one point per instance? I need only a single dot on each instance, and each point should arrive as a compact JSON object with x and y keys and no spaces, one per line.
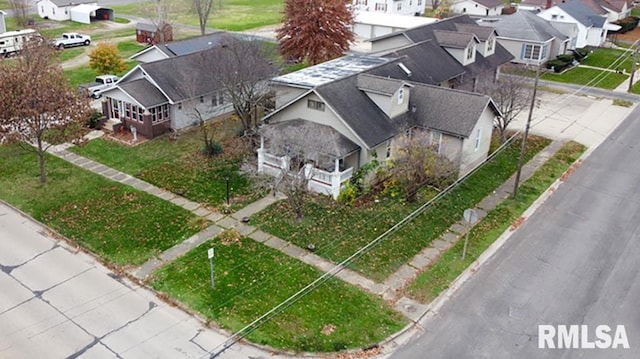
{"x":326,"y":170}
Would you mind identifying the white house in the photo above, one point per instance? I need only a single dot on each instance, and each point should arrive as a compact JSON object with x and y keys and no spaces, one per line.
{"x":477,"y":7}
{"x":367,"y":24}
{"x":75,"y":10}
{"x":592,"y":28}
{"x":400,"y":7}
{"x":367,"y":113}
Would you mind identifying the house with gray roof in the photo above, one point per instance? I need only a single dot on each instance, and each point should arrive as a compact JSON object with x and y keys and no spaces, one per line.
{"x":161,"y":51}
{"x":454,"y":52}
{"x":592,"y":27}
{"x":530,"y":38}
{"x":368,"y":113}
{"x":477,"y":7}
{"x":169,"y":94}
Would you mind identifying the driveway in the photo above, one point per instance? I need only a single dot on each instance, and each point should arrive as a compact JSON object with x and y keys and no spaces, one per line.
{"x":56,"y":302}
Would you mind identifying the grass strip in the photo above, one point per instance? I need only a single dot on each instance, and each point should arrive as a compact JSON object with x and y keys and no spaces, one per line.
{"x":437,"y":278}
{"x":252,"y":278}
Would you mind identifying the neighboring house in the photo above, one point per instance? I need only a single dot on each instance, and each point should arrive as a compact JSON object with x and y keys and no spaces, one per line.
{"x":592,"y":27}
{"x":183,"y":47}
{"x":147,"y":33}
{"x":167,"y":94}
{"x":537,"y":5}
{"x":368,"y":112}
{"x":529,"y":38}
{"x":455,"y":52}
{"x":75,"y":10}
{"x":612,"y":9}
{"x":477,"y":7}
{"x":400,"y":7}
{"x":3,"y":24}
{"x":367,"y":25}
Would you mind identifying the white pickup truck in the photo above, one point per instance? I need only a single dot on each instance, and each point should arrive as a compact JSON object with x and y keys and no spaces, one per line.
{"x":103,"y":82}
{"x":72,"y":39}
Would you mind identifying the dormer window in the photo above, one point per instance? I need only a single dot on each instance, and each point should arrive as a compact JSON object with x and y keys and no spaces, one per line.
{"x":400,"y":96}
{"x":490,"y":44}
{"x":470,"y":51}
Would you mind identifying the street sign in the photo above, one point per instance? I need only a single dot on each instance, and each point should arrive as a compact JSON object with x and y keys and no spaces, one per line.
{"x":210,"y":253}
{"x":211,"y":266}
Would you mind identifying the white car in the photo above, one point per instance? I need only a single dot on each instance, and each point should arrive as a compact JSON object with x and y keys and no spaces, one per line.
{"x":71,"y":39}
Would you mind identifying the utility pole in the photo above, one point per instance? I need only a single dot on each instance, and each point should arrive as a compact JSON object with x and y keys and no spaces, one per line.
{"x":633,"y":68}
{"x":526,"y":133}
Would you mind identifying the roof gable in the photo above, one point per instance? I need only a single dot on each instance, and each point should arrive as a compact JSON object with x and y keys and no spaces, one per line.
{"x":489,"y":4}
{"x":66,"y":3}
{"x":582,"y":13}
{"x":454,"y":39}
{"x":482,"y":33}
{"x":376,"y":84}
{"x":525,"y":25}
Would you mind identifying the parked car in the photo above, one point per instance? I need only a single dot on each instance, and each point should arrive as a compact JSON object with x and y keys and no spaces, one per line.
{"x":71,"y":39}
{"x":103,"y":82}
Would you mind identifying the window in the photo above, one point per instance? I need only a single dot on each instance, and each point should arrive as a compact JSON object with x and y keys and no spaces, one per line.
{"x":400,"y":96}
{"x":159,"y":113}
{"x":470,"y":50}
{"x":361,"y":2}
{"x":388,"y":152}
{"x":419,"y":2}
{"x":53,"y":10}
{"x":316,"y":105}
{"x":531,"y":52}
{"x":478,"y":134}
{"x":217,"y":100}
{"x":381,"y":7}
{"x":201,"y":99}
{"x":490,"y":43}
{"x":66,"y":12}
{"x":399,"y":6}
{"x":436,"y":141}
{"x":179,"y":106}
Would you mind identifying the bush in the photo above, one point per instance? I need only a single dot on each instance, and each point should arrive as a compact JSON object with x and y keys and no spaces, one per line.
{"x":558,"y":65}
{"x":566,"y":58}
{"x":212,"y":148}
{"x":581,"y":53}
{"x":627,"y":24}
{"x":94,"y":120}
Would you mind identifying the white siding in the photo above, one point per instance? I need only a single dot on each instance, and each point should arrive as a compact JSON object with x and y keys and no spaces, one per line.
{"x":472,"y":156}
{"x":473,"y":8}
{"x":186,"y":116}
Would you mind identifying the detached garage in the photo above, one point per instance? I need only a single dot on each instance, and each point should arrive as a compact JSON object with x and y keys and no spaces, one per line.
{"x":85,"y":12}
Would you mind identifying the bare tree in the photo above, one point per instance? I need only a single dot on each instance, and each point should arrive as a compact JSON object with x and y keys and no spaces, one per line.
{"x":242,"y":67}
{"x":203,"y":8}
{"x":511,"y":94}
{"x":163,"y":17}
{"x":315,"y":30}
{"x":20,"y":11}
{"x":37,"y":104}
{"x":302,"y":146}
{"x":416,"y":164}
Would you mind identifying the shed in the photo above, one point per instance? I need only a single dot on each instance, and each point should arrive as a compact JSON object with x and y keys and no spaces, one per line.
{"x":147,"y":33}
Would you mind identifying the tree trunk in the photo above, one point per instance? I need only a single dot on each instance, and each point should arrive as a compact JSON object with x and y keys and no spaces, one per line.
{"x":43,"y":171}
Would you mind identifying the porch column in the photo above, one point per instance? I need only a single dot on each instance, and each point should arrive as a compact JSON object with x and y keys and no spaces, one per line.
{"x":261,"y":151}
{"x":335,"y":180}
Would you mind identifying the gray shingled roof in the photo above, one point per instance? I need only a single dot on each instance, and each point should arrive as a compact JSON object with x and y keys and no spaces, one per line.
{"x":64,"y":3}
{"x":525,"y":25}
{"x":454,"y":39}
{"x":490,"y":4}
{"x":482,"y":33}
{"x":450,"y":111}
{"x":428,"y":62}
{"x":144,"y":92}
{"x":360,"y":113}
{"x":145,"y":26}
{"x":378,"y":84}
{"x":337,"y":146}
{"x":582,"y":13}
{"x":185,"y":77}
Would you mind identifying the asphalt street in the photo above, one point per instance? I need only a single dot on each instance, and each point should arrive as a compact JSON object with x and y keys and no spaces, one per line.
{"x":574,"y":262}
{"x":57,"y":303}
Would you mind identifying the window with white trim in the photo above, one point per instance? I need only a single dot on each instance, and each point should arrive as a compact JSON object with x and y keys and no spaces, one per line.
{"x":400,"y":96}
{"x":491,"y":43}
{"x":470,"y":50}
{"x":388,"y":152}
{"x":478,"y":136}
{"x":531,"y":52}
{"x":399,"y":6}
{"x":436,"y":141}
{"x":316,"y":105}
{"x":381,"y":7}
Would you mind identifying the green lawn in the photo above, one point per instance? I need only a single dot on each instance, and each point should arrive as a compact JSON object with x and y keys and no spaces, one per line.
{"x":69,"y":54}
{"x":178,"y":166}
{"x":437,"y":278}
{"x":252,"y":278}
{"x":236,"y":15}
{"x":84,"y":74}
{"x":120,"y":224}
{"x":337,"y":231}
{"x":128,"y":48}
{"x":636,"y":87}
{"x":592,"y":77}
{"x":610,"y":59}
{"x":635,"y":12}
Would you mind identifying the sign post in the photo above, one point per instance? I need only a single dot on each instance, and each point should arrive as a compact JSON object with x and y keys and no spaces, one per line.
{"x":210,"y":254}
{"x":470,"y":217}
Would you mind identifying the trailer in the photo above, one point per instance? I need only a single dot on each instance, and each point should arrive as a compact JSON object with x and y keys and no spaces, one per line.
{"x":11,"y":42}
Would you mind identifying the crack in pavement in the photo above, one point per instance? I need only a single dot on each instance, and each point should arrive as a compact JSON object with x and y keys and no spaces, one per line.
{"x":8,"y":269}
{"x":193,"y":340}
{"x":97,"y":340}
